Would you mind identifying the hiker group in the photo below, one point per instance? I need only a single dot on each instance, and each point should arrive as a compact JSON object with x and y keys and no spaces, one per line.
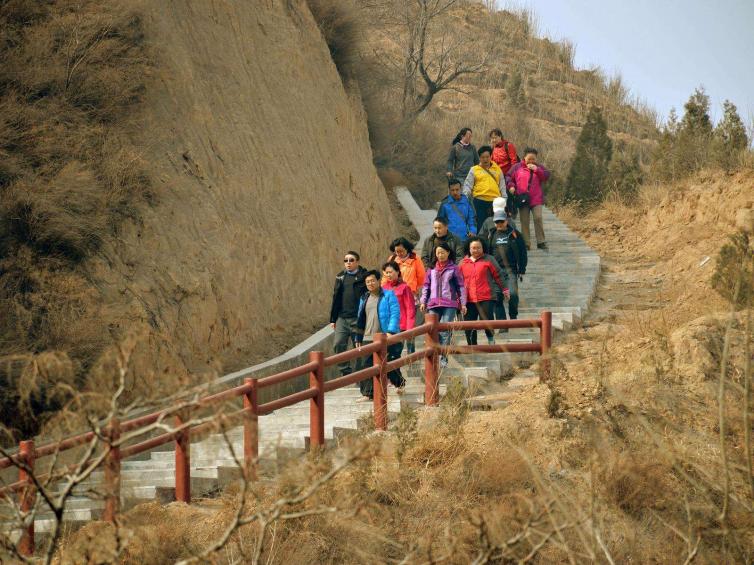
{"x":469,"y":266}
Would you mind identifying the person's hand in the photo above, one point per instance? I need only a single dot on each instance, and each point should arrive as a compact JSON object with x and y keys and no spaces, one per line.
{"x":532,"y":167}
{"x":507,"y":293}
{"x":511,"y":190}
{"x":332,"y":325}
{"x":423,"y":308}
{"x":448,"y":175}
{"x":463,"y":310}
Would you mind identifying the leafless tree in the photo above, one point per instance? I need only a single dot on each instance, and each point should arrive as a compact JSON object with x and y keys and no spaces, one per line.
{"x":56,"y":479}
{"x":433,"y":61}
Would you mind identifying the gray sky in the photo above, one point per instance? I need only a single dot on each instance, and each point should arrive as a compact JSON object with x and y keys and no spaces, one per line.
{"x":663,"y":48}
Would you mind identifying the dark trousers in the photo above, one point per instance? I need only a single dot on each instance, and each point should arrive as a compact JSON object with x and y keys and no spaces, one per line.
{"x":344,"y":333}
{"x":411,"y":344}
{"x":395,"y":377}
{"x":510,"y":280}
{"x":478,"y":311}
{"x":483,"y":209}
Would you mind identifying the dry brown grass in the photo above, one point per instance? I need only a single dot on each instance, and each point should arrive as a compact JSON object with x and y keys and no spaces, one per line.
{"x":70,"y":84}
{"x":556,"y":96}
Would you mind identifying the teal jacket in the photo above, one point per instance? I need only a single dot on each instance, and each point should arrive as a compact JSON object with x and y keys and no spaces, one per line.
{"x":388,"y":311}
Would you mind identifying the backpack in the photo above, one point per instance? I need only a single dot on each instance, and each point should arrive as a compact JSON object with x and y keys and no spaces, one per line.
{"x":508,"y":154}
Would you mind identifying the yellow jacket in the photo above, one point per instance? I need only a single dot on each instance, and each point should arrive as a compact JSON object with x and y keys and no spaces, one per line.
{"x":484,"y":184}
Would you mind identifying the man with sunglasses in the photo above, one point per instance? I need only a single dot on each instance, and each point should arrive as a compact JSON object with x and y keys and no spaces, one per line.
{"x":349,"y":288}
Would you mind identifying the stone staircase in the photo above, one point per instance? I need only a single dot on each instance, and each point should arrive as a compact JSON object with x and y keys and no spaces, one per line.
{"x":562,"y":280}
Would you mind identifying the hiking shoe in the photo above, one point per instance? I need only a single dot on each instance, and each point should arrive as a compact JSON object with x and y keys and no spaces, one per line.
{"x":401,"y":389}
{"x":364,"y":399}
{"x":543,"y":245}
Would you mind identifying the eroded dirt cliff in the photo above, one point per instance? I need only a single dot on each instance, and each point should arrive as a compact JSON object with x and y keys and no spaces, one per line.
{"x":262,"y":163}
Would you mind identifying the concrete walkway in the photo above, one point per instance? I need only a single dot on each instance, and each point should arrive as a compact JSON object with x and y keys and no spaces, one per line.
{"x":562,"y":280}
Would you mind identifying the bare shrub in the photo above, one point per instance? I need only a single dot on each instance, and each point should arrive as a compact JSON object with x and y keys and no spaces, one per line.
{"x":634,"y":484}
{"x":70,"y":84}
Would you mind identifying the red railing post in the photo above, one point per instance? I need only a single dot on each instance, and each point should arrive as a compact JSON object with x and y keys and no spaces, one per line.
{"x":26,"y":456}
{"x":380,"y":383}
{"x":112,"y":472}
{"x":545,"y":343}
{"x":250,"y":429}
{"x":183,"y":461}
{"x":432,"y":363}
{"x":317,"y":404}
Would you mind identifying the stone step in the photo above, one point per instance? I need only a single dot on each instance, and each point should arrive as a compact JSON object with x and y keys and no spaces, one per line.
{"x":562,"y":279}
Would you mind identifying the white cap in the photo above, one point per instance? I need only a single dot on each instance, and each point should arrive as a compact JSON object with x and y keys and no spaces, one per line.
{"x":498,"y":204}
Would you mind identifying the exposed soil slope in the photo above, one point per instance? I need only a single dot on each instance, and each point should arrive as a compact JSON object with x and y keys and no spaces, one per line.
{"x":265,"y":175}
{"x":546,"y":110}
{"x":616,"y":459}
{"x":262,"y":177}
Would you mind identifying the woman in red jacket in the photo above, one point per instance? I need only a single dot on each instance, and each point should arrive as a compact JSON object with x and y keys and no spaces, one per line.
{"x":391,"y":280}
{"x":478,"y":270}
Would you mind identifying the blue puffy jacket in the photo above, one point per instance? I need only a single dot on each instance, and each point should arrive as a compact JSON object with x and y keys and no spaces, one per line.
{"x":460,"y":216}
{"x":388,"y":311}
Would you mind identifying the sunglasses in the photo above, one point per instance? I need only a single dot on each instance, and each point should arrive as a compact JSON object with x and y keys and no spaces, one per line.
{"x":349,"y":260}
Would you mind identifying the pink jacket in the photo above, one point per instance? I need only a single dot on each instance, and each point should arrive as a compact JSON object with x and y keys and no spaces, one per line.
{"x":405,"y":302}
{"x":518,"y":178}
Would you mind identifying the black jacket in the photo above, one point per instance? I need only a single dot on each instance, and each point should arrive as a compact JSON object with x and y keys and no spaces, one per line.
{"x":360,"y":288}
{"x":430,"y":243}
{"x":509,"y":249}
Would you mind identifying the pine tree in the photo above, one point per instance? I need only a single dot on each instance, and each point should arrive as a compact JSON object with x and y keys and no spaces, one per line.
{"x":692,"y":148}
{"x":696,"y":118}
{"x":671,"y":126}
{"x":589,"y":168}
{"x":685,"y":146}
{"x":624,"y":174}
{"x":730,"y":131}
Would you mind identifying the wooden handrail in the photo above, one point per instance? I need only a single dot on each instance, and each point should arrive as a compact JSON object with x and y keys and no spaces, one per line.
{"x":314,"y":369}
{"x":303,"y":370}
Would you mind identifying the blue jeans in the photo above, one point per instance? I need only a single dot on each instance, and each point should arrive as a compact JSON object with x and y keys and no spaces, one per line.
{"x":446,"y":314}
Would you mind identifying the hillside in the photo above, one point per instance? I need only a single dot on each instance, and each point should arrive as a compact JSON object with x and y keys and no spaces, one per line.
{"x":254,"y":172}
{"x":617,"y":458}
{"x":529,"y":88}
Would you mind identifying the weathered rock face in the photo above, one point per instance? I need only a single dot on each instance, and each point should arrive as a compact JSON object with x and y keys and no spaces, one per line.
{"x":264,"y":176}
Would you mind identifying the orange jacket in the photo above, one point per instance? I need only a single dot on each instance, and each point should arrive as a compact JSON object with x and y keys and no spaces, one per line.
{"x":412,"y":271}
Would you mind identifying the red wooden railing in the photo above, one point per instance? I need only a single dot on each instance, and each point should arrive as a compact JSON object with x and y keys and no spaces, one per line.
{"x":315,"y":393}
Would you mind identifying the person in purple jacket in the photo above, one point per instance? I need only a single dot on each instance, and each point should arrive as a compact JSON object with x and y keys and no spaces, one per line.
{"x":525,"y":180}
{"x":443,"y":292}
